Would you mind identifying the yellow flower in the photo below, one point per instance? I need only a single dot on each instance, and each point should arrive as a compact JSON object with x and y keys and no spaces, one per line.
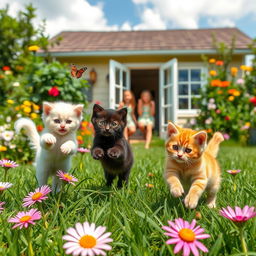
{"x":3,"y":148}
{"x":212,"y":72}
{"x":35,"y":107}
{"x":248,"y":124}
{"x":27,"y":103}
{"x":234,"y":71}
{"x":27,"y":110}
{"x":79,"y":137}
{"x":17,"y":108}
{"x":236,"y":93}
{"x":246,"y":68}
{"x":10,"y":101}
{"x":231,"y":98}
{"x":34,"y":115}
{"x":33,"y":48}
{"x":212,"y":61}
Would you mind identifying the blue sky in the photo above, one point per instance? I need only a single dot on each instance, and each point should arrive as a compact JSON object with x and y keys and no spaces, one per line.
{"x":106,"y":15}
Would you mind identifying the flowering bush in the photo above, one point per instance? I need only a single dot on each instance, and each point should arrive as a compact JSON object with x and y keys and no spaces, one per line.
{"x":228,"y":100}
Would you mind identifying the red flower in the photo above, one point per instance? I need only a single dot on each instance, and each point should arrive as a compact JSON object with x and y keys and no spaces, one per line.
{"x":219,"y":63}
{"x":227,"y":118}
{"x":225,"y":83}
{"x":253,"y":100}
{"x":5,"y":68}
{"x":39,"y":128}
{"x":54,"y":91}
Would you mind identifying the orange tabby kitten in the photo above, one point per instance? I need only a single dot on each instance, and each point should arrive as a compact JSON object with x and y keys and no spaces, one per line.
{"x":191,"y":164}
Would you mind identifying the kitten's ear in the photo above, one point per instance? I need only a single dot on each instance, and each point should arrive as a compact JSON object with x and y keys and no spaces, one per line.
{"x":47,"y":107}
{"x":123,"y":113}
{"x":79,"y":110}
{"x":172,"y":129}
{"x":97,"y":108}
{"x":201,"y":138}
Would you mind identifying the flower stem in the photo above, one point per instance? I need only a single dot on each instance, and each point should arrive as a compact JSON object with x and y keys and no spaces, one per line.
{"x":244,"y":246}
{"x":5,"y":174}
{"x":43,"y":216}
{"x":30,"y":247}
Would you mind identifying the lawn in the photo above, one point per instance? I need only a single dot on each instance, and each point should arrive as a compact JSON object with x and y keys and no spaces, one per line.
{"x":133,"y":215}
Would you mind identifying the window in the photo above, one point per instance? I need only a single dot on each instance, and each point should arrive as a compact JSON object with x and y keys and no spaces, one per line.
{"x":189,"y":84}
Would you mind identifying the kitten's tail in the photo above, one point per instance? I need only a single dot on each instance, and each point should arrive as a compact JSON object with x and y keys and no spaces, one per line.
{"x":30,"y":130}
{"x":213,"y":145}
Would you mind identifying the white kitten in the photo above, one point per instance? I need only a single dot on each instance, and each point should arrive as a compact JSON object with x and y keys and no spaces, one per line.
{"x":58,"y":139}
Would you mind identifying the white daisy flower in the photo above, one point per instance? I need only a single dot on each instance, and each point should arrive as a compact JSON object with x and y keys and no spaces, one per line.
{"x":5,"y":185}
{"x":85,"y":239}
{"x":7,"y":135}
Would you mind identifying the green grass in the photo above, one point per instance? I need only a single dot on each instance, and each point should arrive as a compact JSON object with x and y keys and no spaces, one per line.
{"x":133,"y":215}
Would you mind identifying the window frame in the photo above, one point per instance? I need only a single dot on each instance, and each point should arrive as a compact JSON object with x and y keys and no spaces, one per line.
{"x":189,"y":66}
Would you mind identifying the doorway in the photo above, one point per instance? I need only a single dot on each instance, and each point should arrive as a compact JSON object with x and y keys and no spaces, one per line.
{"x":146,"y":79}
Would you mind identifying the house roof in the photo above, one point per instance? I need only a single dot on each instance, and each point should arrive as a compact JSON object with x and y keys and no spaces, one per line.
{"x":159,"y":40}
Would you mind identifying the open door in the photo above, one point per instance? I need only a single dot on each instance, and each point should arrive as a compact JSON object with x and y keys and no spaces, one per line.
{"x":119,"y":80}
{"x":168,"y":94}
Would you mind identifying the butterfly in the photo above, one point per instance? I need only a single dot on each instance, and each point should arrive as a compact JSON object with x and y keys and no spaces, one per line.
{"x":77,"y":73}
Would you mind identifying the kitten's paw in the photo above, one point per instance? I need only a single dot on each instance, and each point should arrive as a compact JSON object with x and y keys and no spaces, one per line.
{"x":48,"y":139}
{"x":113,"y":153}
{"x":97,"y":153}
{"x":191,"y":201}
{"x":211,"y":205}
{"x":66,"y":148}
{"x":177,"y":191}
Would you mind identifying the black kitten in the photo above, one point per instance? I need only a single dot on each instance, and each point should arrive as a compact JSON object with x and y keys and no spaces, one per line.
{"x":110,"y":146}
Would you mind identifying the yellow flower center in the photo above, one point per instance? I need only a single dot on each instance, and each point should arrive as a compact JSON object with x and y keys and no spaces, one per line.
{"x":67,"y":176}
{"x":37,"y":196}
{"x":8,"y":164}
{"x":187,"y":235}
{"x":1,"y":187}
{"x":25,"y":218}
{"x":87,"y":241}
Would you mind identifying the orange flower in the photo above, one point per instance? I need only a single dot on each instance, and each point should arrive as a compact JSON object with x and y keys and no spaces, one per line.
{"x":148,"y":185}
{"x":212,"y":60}
{"x":213,"y":72}
{"x":209,"y":130}
{"x":234,"y":71}
{"x":216,"y":83}
{"x":84,"y":123}
{"x":225,"y":84}
{"x":219,"y":92}
{"x":219,"y":63}
{"x":234,"y":92}
{"x":79,"y":137}
{"x":1,"y":76}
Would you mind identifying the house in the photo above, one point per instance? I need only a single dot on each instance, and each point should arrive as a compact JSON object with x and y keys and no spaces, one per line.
{"x":168,"y":63}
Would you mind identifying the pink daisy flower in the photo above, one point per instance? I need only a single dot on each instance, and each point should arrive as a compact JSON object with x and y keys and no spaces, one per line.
{"x":8,"y":163}
{"x":238,"y":215}
{"x":83,"y":150}
{"x":87,"y":239}
{"x":1,"y":206}
{"x":23,"y":219}
{"x":233,"y":172}
{"x":38,"y":196}
{"x":185,"y":235}
{"x":5,"y":185}
{"x":67,"y":177}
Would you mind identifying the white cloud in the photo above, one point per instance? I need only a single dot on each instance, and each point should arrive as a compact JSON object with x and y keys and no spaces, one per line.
{"x":150,"y":20}
{"x":187,"y":13}
{"x":126,"y":26}
{"x":65,"y":14}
